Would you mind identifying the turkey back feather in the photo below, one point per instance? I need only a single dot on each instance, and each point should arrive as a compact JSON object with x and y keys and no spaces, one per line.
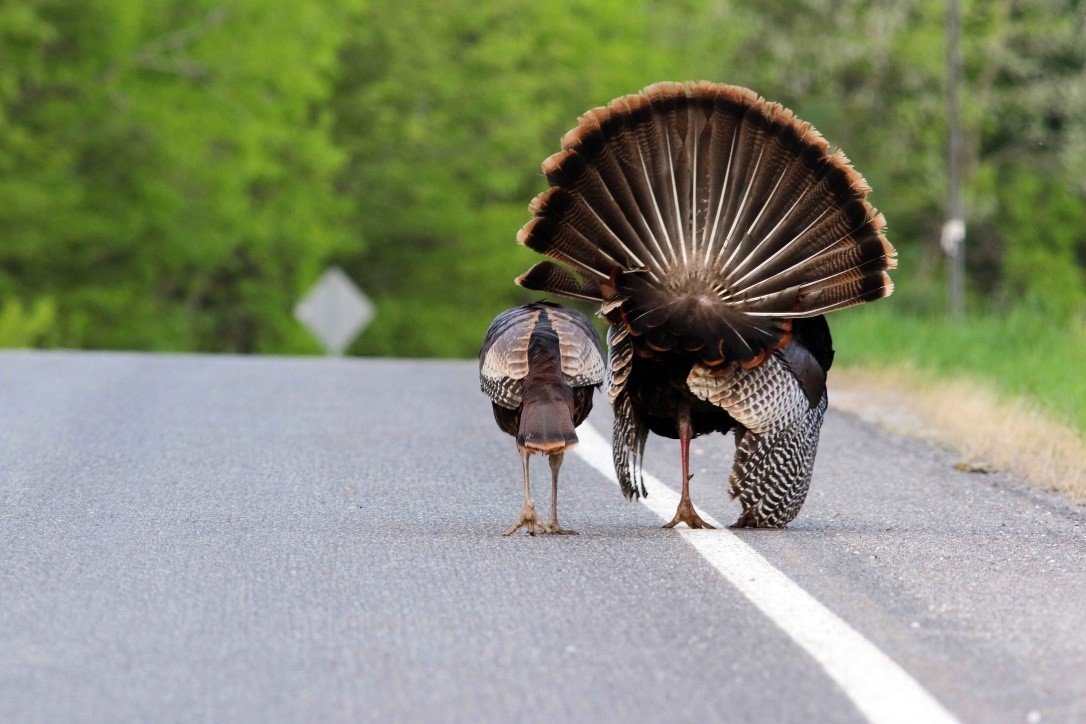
{"x":705,"y":219}
{"x":539,"y":365}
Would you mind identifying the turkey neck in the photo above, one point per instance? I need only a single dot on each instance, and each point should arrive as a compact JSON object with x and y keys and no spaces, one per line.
{"x":661,"y":398}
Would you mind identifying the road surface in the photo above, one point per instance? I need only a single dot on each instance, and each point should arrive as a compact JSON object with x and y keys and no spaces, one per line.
{"x":197,"y":538}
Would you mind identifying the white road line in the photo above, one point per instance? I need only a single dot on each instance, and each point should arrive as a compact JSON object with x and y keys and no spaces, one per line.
{"x":880,"y":689}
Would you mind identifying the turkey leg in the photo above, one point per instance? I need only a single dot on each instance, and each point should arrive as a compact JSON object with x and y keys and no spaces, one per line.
{"x":528,"y":518}
{"x":553,"y":527}
{"x":685,"y":513}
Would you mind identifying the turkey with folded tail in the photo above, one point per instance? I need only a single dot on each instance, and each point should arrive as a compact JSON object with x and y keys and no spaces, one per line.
{"x":539,"y":365}
{"x":714,"y":229}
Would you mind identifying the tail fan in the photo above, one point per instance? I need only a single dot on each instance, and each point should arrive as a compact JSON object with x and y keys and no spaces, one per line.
{"x":705,"y":218}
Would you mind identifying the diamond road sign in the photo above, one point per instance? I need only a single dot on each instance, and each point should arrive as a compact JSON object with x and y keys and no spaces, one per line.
{"x":335,"y":310}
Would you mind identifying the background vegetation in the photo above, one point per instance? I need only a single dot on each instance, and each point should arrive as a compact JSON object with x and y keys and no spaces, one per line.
{"x":175,"y":173}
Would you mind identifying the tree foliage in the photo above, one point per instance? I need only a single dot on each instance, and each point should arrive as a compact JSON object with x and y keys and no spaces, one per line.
{"x":175,"y":173}
{"x":167,"y":168}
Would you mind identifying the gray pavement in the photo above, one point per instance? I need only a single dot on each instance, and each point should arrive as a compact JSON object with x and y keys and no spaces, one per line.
{"x":269,"y":539}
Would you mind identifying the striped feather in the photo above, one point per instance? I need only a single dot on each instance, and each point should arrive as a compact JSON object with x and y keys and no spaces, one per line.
{"x":557,"y":279}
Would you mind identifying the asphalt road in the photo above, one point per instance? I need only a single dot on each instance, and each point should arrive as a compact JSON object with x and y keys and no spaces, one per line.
{"x":187,"y":538}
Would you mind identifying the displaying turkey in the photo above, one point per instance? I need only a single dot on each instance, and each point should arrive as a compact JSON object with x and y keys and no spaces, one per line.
{"x":714,"y":228}
{"x":539,"y":365}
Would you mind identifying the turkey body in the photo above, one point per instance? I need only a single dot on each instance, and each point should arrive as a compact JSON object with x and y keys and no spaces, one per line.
{"x":659,"y":395}
{"x":715,"y":230}
{"x":659,"y":392}
{"x":540,"y":365}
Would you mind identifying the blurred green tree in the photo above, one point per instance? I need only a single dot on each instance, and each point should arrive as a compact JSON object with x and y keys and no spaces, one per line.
{"x":1028,"y":193}
{"x":176,"y":173}
{"x":446,"y":117}
{"x":167,"y":168}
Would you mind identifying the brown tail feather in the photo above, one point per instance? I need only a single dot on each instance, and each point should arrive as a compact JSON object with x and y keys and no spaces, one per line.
{"x":709,"y":217}
{"x":558,"y":280}
{"x":546,"y":419}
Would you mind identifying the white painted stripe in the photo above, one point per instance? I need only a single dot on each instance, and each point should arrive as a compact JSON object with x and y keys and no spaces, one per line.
{"x":880,"y":689}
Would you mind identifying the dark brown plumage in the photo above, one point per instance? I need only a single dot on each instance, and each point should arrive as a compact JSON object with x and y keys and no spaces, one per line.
{"x":539,"y":365}
{"x":714,"y":228}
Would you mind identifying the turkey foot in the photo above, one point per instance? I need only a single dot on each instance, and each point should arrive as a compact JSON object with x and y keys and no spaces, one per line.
{"x":746,"y":520}
{"x":749,"y":520}
{"x":685,"y":513}
{"x":530,"y":521}
{"x":554,"y":529}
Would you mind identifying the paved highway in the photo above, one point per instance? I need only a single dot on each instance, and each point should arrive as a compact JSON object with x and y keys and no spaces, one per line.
{"x":265,"y":539}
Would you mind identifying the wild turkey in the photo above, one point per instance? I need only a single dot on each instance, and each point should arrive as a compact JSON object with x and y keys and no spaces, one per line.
{"x":539,"y":365}
{"x":714,"y":228}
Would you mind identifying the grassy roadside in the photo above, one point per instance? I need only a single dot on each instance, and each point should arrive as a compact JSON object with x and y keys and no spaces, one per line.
{"x":1005,"y":392}
{"x":1024,"y":354}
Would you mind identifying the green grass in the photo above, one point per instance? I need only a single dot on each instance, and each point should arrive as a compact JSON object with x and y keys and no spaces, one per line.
{"x":1023,"y":354}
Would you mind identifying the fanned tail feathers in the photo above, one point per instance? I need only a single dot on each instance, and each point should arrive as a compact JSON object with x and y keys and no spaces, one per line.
{"x":704,"y":218}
